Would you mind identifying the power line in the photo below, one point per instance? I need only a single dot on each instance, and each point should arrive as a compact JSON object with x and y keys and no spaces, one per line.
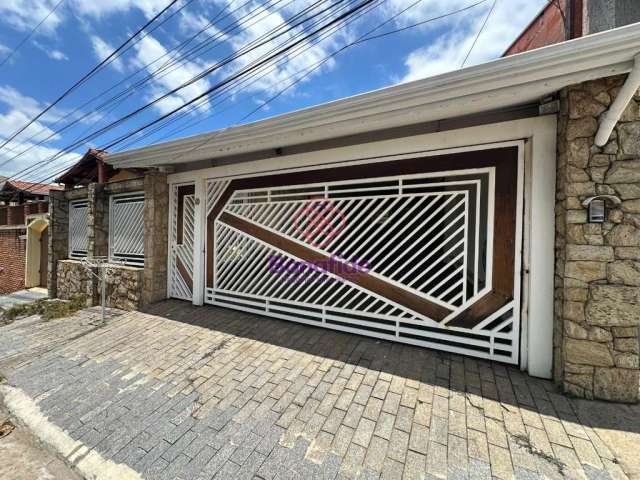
{"x":228,"y":80}
{"x":250,"y":67}
{"x":254,"y":44}
{"x":306,"y":72}
{"x":363,"y":38}
{"x":88,"y":75}
{"x":124,"y":94}
{"x":479,"y":33}
{"x":397,"y":30}
{"x":30,"y":34}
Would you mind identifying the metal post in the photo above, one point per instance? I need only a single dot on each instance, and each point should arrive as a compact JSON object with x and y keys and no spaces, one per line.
{"x":104,"y":292}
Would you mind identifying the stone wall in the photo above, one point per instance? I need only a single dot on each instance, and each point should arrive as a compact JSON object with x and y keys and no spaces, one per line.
{"x":133,"y":287}
{"x":124,"y":289}
{"x":156,"y":224}
{"x":597,"y":265}
{"x":73,"y":278}
{"x":58,"y":237}
{"x":97,"y":221}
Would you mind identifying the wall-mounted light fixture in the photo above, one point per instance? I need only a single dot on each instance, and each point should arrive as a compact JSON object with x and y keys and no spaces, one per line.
{"x":597,"y":207}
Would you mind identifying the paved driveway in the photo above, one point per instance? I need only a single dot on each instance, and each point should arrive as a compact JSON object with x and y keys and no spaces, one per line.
{"x":199,"y":392}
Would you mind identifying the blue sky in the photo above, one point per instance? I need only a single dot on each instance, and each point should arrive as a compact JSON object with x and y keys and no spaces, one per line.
{"x":82,"y":32}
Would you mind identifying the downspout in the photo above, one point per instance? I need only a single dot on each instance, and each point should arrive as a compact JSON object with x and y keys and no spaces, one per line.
{"x":610,"y":117}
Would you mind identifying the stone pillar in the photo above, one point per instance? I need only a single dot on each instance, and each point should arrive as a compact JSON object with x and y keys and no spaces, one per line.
{"x":97,"y":221}
{"x":97,"y":232}
{"x":597,"y":265}
{"x":58,"y":237}
{"x":156,"y":219}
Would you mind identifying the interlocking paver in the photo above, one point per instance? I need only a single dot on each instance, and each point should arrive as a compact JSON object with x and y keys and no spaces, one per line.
{"x":201,"y":392}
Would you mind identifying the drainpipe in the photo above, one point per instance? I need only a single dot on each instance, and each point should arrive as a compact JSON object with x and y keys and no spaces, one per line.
{"x":610,"y":117}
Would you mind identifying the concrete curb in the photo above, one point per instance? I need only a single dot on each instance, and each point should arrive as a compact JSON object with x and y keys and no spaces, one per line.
{"x":89,"y":463}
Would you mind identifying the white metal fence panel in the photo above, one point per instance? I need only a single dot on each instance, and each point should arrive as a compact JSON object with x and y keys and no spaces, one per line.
{"x":78,"y":210}
{"x":429,"y":234}
{"x":183,"y":208}
{"x":126,"y":230}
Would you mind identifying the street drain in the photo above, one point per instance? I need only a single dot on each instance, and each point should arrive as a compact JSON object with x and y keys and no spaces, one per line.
{"x":6,"y":428}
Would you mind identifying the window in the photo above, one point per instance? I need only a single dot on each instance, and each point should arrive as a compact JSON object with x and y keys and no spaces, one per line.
{"x":126,"y":229}
{"x":78,"y":228}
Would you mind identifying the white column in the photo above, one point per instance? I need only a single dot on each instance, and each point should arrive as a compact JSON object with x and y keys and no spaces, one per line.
{"x":199,"y":239}
{"x":541,"y":250}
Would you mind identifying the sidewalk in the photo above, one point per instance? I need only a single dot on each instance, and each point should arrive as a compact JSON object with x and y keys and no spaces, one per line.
{"x":201,"y":392}
{"x":22,"y":296}
{"x":22,"y":457}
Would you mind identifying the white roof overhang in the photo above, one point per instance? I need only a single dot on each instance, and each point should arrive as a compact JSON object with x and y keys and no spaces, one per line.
{"x":501,"y":83}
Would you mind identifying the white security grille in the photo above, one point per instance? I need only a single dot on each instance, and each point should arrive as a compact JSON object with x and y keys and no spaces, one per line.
{"x":126,"y":232}
{"x":182,"y":249}
{"x":78,"y":228}
{"x":430,"y":235}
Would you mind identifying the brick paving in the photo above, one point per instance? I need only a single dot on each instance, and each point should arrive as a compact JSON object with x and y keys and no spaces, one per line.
{"x":183,"y":392}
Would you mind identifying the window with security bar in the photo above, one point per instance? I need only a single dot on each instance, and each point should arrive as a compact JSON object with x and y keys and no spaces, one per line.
{"x":78,"y":228}
{"x":126,"y":231}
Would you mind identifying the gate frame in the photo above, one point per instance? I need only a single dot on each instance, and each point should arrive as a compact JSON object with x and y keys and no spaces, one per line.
{"x":537,"y":139}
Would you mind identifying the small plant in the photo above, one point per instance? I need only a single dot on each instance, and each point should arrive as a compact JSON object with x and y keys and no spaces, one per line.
{"x":47,"y":309}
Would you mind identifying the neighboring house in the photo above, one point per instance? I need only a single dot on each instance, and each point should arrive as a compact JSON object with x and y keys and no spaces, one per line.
{"x":24,"y":242}
{"x":562,"y":20}
{"x":455,"y":212}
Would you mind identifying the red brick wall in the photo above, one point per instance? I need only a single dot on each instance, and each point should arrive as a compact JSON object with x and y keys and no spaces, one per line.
{"x":546,"y":29}
{"x":12,"y":259}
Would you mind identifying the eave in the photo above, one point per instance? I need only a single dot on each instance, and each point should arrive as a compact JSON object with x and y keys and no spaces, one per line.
{"x":501,"y":83}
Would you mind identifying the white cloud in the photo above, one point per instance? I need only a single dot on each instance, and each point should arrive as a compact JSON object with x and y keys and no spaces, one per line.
{"x":57,"y":55}
{"x":19,"y":109}
{"x":147,"y":51}
{"x":16,"y":110}
{"x":100,"y":8}
{"x":26,"y":14}
{"x":299,"y":60}
{"x":448,"y":51}
{"x":102,"y":50}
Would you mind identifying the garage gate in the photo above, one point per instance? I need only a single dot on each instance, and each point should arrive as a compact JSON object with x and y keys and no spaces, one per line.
{"x":422,"y":250}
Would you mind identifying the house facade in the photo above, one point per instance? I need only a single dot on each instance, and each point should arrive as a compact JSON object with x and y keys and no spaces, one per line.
{"x":490,"y":212}
{"x":24,"y":222}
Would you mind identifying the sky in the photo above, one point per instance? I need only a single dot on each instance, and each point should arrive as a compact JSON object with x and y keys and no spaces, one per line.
{"x":81,"y":33}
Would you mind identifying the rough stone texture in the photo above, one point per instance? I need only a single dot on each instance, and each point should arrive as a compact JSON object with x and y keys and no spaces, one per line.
{"x":69,"y":276}
{"x":98,"y":221}
{"x":74,"y":278}
{"x":124,"y":289}
{"x":597,"y":265}
{"x":156,"y":218}
{"x":58,"y":237}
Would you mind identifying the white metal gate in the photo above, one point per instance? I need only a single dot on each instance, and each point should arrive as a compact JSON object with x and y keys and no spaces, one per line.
{"x":410,"y":258}
{"x":181,"y":241}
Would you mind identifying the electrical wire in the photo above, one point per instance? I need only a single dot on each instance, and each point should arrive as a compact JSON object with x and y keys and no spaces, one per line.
{"x":475,"y":40}
{"x":88,"y":75}
{"x":31,"y":33}
{"x":198,"y":77}
{"x":365,"y":37}
{"x":255,"y":65}
{"x":118,"y":98}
